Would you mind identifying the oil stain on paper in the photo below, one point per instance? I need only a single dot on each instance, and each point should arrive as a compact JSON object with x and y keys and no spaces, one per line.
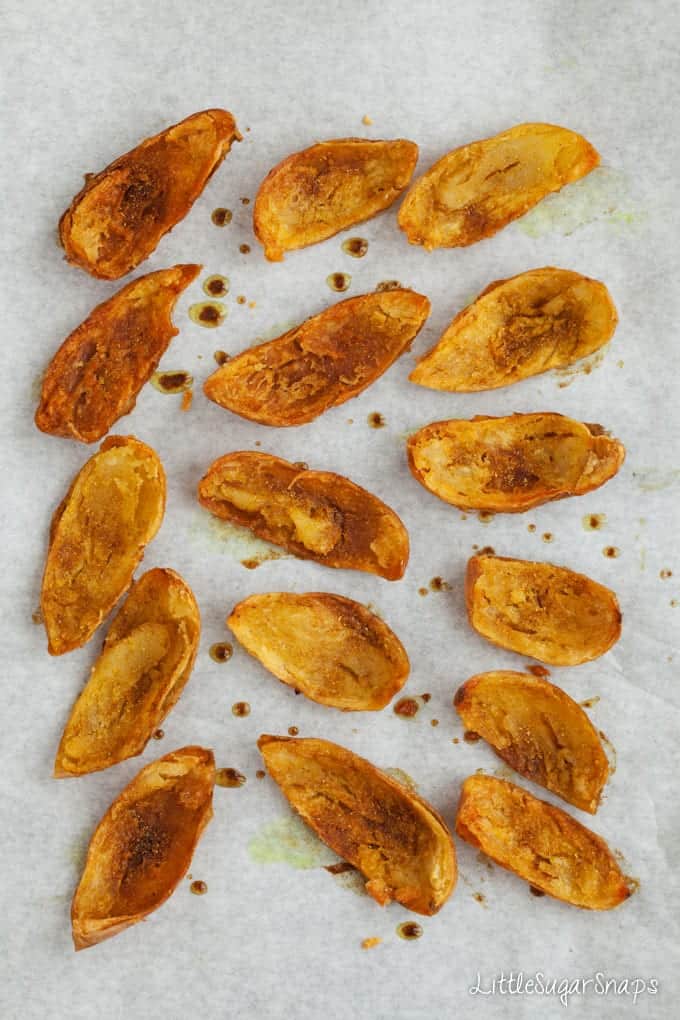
{"x":603,"y":195}
{"x":230,"y":539}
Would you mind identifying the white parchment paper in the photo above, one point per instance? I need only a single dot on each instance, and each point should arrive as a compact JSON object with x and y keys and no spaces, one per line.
{"x":83,"y":83}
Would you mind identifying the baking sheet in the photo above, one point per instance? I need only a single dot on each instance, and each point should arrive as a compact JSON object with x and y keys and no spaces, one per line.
{"x":276,"y":935}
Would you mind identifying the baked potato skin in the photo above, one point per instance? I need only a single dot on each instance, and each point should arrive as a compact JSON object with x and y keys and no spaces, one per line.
{"x":146,"y":660}
{"x":520,"y":327}
{"x":540,"y":731}
{"x":97,"y":373}
{"x":328,"y":187}
{"x":113,"y":508}
{"x":395,"y":838}
{"x":315,"y":515}
{"x":331,"y":649}
{"x":512,"y":464}
{"x":117,"y":219}
{"x":541,"y":610}
{"x":474,"y":191}
{"x":541,"y":843}
{"x":323,"y":362}
{"x":143,"y":845}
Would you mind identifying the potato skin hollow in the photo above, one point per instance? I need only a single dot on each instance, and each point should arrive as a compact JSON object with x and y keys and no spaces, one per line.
{"x":547,"y":612}
{"x":396,"y":839}
{"x":119,"y":216}
{"x":113,"y":508}
{"x":512,"y":464}
{"x":328,"y":187}
{"x":331,"y":649}
{"x":321,"y":363}
{"x":520,"y":327}
{"x":539,"y":731}
{"x":143,"y":845}
{"x":146,"y":660}
{"x":97,"y":373}
{"x":541,"y":843}
{"x":474,"y":191}
{"x":316,"y":515}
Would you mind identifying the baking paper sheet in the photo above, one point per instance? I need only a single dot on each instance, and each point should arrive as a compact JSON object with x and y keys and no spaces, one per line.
{"x":276,"y":935}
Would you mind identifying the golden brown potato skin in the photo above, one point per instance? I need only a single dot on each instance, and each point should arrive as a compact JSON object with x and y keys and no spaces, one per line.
{"x":323,"y":362}
{"x":143,"y":846}
{"x":317,"y":515}
{"x":315,"y":193}
{"x":541,"y":843}
{"x":547,"y":612}
{"x":97,"y":373}
{"x":396,"y":839}
{"x":331,"y":649}
{"x":476,"y":190}
{"x":539,"y":731}
{"x":99,"y":531}
{"x":512,"y":464}
{"x":146,"y":660}
{"x":121,"y":213}
{"x":519,"y":327}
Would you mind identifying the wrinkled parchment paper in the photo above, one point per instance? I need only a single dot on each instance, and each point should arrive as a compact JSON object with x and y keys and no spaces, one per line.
{"x":276,"y":935}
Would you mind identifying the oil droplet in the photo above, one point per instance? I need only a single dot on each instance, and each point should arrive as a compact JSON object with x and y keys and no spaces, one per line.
{"x":547,"y":536}
{"x":241,"y":299}
{"x":198,"y":888}
{"x":338,"y":281}
{"x":172,"y":382}
{"x":535,"y":891}
{"x":538,"y":671}
{"x":355,"y":246}
{"x":37,"y":616}
{"x":409,"y":930}
{"x":158,"y":734}
{"x":434,"y":722}
{"x":388,"y":285}
{"x":370,"y":943}
{"x":366,"y":120}
{"x":406,"y":708}
{"x":593,"y":522}
{"x":229,"y":777}
{"x":376,"y":420}
{"x":479,"y":897}
{"x":244,"y":249}
{"x":673,"y":603}
{"x":665,"y":574}
{"x":439,"y":584}
{"x":260,"y":774}
{"x":531,"y":528}
{"x":487,"y":550}
{"x":611,"y":552}
{"x":423,"y":591}
{"x":216,"y":286}
{"x":455,"y":740}
{"x":590,"y":702}
{"x":426,"y":697}
{"x":470,"y":737}
{"x":222,"y":651}
{"x":208,"y":313}
{"x":245,"y":201}
{"x":240,"y":708}
{"x":293,"y":731}
{"x":485,"y":516}
{"x":221,"y":216}
{"x":340,"y":868}
{"x":221,"y":357}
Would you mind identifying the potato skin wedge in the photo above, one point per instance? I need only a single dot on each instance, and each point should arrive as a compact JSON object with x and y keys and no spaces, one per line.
{"x":396,"y":839}
{"x":315,"y":193}
{"x":474,"y":191}
{"x":323,"y":362}
{"x":146,"y":660}
{"x":547,"y":612}
{"x":517,"y":328}
{"x":539,"y":731}
{"x":317,"y":515}
{"x":512,"y":464}
{"x":143,"y":845}
{"x":541,"y":843}
{"x":119,"y":216}
{"x":331,"y":649}
{"x":113,"y":508}
{"x":97,"y":373}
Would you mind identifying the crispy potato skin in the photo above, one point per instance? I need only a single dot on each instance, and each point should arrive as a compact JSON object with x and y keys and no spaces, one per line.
{"x":143,"y":845}
{"x":539,"y":731}
{"x":316,"y":515}
{"x":331,"y":649}
{"x":541,"y":843}
{"x":146,"y":660}
{"x":315,"y":193}
{"x":547,"y":612}
{"x":395,"y":838}
{"x":323,"y":362}
{"x":97,"y":373}
{"x":476,"y":190}
{"x":113,"y":508}
{"x":119,"y":216}
{"x":512,"y":464}
{"x":519,"y":327}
